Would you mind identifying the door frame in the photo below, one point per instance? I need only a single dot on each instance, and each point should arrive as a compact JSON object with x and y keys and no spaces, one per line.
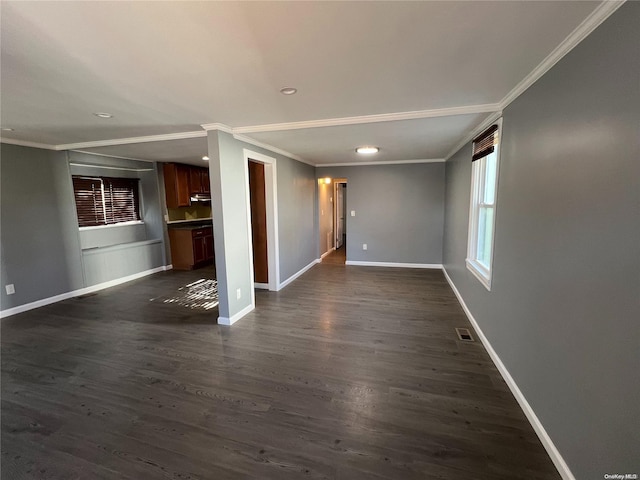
{"x":271,"y":201}
{"x":336,"y":216}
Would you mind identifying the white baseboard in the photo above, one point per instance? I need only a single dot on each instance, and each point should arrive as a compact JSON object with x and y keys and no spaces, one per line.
{"x":544,"y":437}
{"x":327,"y":253}
{"x":261,"y":286}
{"x":237,"y":316}
{"x":82,"y":291}
{"x":393,"y":264}
{"x":296,"y":275}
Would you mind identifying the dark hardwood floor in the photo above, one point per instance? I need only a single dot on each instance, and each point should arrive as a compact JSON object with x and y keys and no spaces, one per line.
{"x":337,"y":257}
{"x":348,"y":373}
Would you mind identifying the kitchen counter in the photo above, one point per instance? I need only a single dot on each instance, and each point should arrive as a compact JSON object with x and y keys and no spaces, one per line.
{"x":170,"y":223}
{"x":193,"y":226}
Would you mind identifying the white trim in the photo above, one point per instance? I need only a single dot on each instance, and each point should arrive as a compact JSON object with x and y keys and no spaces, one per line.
{"x":481,"y":272}
{"x":252,"y":287}
{"x":26,"y":143}
{"x":114,"y":225}
{"x":382,"y":117}
{"x":271,"y":201}
{"x":544,"y":437}
{"x":384,"y":162}
{"x":599,"y":15}
{"x":393,"y":264}
{"x":327,"y":252}
{"x":127,"y":141}
{"x":217,"y":126}
{"x":297,"y":274}
{"x":237,"y":316}
{"x":261,"y":286}
{"x":82,"y":291}
{"x":271,"y":148}
{"x":112,"y":168}
{"x":113,"y":156}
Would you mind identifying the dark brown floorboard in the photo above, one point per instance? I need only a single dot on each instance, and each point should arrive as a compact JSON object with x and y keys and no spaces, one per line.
{"x":337,"y":257}
{"x":348,"y":373}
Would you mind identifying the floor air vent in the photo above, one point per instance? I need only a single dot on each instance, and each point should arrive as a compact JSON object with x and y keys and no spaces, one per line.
{"x":464,"y":334}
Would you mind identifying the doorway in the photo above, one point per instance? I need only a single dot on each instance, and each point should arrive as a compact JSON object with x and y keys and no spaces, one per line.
{"x":340,"y":215}
{"x":262,"y":216}
{"x":334,"y":200}
{"x":257,"y":200}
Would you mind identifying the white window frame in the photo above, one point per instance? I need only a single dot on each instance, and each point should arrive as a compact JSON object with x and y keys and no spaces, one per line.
{"x":480,"y":271}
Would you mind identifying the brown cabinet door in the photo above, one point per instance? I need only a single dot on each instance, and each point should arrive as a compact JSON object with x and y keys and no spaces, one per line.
{"x":176,"y":185}
{"x":208,"y":247}
{"x":182,"y":185}
{"x":195,"y":180}
{"x":206,"y":186}
{"x":198,"y":250}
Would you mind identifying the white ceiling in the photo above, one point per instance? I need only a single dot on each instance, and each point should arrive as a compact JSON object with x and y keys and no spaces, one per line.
{"x":170,"y":67}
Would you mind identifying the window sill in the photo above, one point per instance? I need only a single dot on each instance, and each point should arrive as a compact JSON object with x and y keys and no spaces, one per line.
{"x":112,"y":225}
{"x":480,"y":273}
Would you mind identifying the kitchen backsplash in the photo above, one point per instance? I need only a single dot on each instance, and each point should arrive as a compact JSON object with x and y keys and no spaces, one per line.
{"x":189,"y":213}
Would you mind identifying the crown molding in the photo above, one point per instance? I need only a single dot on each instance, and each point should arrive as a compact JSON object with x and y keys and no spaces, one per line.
{"x":218,"y":126}
{"x":127,"y":141}
{"x":599,"y":15}
{"x":383,"y":162}
{"x":382,"y":117}
{"x":271,"y":148}
{"x":26,"y":143}
{"x":113,"y":156}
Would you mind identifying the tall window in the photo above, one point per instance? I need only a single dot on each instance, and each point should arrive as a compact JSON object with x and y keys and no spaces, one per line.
{"x":105,"y":200}
{"x":482,"y":214}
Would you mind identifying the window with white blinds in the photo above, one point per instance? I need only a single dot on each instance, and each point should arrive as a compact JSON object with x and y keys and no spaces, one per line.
{"x":105,"y":200}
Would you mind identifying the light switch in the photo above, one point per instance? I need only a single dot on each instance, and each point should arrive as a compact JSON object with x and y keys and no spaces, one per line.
{"x":353,"y":213}
{"x":364,"y":246}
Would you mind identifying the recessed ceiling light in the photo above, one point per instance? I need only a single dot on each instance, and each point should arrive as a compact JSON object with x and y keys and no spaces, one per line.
{"x":7,"y":129}
{"x":367,"y":150}
{"x":205,"y":158}
{"x":288,"y":90}
{"x":103,"y":115}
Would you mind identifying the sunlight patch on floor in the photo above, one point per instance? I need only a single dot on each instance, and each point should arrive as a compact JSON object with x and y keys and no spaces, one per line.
{"x":201,"y":294}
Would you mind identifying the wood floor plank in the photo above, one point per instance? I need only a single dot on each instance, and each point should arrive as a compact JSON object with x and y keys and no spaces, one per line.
{"x":347,"y":373}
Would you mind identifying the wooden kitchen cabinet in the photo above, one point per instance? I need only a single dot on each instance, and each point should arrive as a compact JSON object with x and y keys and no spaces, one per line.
{"x":199,"y":180}
{"x":177,"y":185}
{"x":191,"y":247}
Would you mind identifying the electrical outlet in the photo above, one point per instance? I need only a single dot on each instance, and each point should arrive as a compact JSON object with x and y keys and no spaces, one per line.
{"x":11,"y":289}
{"x":238,"y":294}
{"x":364,"y":246}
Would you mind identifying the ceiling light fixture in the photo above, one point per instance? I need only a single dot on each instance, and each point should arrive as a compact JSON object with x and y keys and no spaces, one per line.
{"x":205,"y":158}
{"x":288,"y":90}
{"x":103,"y":115}
{"x":327,"y":180}
{"x":367,"y":150}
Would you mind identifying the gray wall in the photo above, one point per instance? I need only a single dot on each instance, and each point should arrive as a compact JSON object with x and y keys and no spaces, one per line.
{"x":399,"y":211}
{"x":297,"y":213}
{"x":43,"y":252}
{"x":296,"y":218}
{"x":564,"y":306}
{"x":39,"y":228}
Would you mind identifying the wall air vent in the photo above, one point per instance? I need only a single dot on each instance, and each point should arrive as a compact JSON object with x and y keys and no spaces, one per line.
{"x":464,"y":334}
